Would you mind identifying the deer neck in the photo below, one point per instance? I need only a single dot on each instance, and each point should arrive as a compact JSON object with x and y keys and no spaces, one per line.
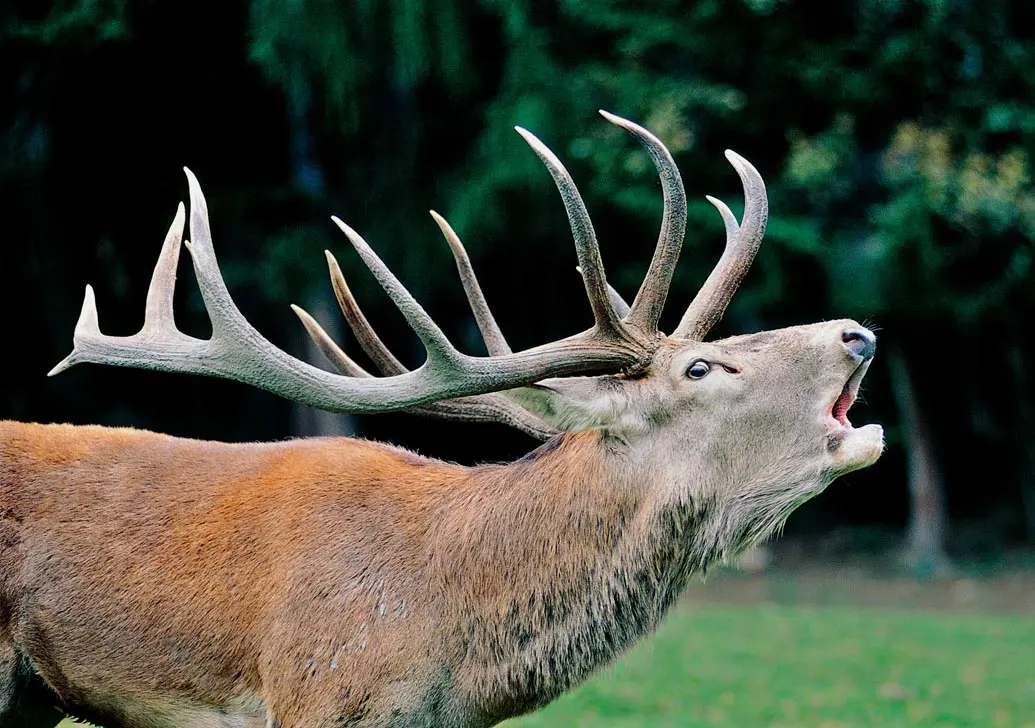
{"x":563,"y":559}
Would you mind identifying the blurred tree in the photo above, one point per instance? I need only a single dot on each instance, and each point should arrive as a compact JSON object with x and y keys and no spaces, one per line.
{"x":942,"y":239}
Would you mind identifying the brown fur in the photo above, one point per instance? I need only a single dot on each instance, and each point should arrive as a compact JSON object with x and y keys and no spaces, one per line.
{"x":153,"y":582}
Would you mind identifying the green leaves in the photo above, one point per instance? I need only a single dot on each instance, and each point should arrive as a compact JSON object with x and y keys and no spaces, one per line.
{"x":82,"y":23}
{"x":339,"y":49}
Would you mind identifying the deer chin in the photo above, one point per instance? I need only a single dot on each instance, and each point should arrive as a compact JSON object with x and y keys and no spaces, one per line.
{"x":851,"y":447}
{"x":860,"y":447}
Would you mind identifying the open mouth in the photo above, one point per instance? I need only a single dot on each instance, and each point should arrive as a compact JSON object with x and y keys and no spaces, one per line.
{"x":839,"y":409}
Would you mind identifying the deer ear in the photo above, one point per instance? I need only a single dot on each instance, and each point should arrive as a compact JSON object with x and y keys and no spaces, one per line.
{"x":572,"y":404}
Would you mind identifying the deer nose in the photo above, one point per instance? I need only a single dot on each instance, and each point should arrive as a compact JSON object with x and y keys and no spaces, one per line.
{"x":860,"y":342}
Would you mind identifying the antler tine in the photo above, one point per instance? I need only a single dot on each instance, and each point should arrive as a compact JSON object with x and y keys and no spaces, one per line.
{"x":86,"y":327}
{"x":427,"y":330}
{"x":158,"y":311}
{"x":606,"y":323}
{"x":741,"y":245}
{"x":495,"y":343}
{"x":478,"y":408}
{"x":650,"y":299}
{"x":341,"y":361}
{"x":222,"y":311}
{"x":368,"y":339}
{"x":617,"y":302}
{"x":729,"y":220}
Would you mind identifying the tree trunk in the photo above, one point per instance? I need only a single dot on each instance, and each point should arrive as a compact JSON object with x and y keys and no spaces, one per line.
{"x":1023,"y":429}
{"x":1028,"y":490}
{"x":307,"y":176}
{"x":925,"y":544}
{"x":308,"y":421}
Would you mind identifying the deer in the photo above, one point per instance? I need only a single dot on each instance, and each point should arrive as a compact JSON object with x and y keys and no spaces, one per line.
{"x":148,"y":581}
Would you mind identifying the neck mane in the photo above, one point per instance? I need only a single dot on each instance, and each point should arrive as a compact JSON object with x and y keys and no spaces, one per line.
{"x":561,"y":560}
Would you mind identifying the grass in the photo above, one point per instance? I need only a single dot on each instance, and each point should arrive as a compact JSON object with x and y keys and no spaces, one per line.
{"x":722,"y":666}
{"x":747,"y":666}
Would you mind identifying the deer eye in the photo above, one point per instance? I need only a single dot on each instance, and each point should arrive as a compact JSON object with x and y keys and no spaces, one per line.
{"x":698,"y":369}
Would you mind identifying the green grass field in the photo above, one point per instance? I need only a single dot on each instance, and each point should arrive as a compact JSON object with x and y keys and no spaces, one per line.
{"x":794,"y":667}
{"x":747,"y":666}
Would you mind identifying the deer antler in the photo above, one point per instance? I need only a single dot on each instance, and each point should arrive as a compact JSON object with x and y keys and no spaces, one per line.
{"x":449,"y":383}
{"x":237,"y":351}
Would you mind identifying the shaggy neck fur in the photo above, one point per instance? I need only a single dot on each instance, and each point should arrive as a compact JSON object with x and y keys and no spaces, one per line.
{"x":560,"y":561}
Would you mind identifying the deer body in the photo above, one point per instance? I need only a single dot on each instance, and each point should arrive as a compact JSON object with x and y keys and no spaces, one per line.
{"x":153,"y":582}
{"x":324,"y":579}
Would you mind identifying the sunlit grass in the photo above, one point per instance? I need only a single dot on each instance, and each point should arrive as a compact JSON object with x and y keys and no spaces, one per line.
{"x":790,"y":667}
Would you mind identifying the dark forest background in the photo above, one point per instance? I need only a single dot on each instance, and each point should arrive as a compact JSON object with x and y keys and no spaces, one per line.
{"x":895,"y":137}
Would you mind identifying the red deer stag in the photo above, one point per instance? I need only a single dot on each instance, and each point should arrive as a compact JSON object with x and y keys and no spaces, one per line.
{"x":154,"y":582}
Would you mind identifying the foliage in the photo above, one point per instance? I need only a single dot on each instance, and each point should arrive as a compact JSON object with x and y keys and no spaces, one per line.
{"x":86,"y":22}
{"x":336,"y":47}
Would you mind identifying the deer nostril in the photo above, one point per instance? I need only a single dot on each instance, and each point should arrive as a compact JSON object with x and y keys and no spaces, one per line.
{"x":860,"y":342}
